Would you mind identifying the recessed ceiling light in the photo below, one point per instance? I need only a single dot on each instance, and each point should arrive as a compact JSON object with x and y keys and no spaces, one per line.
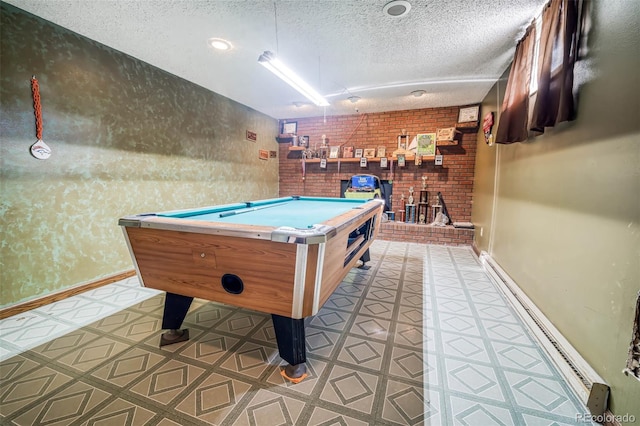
{"x":397,"y":8}
{"x":219,"y":44}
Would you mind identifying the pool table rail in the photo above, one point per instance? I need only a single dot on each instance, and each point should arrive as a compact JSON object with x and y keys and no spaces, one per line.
{"x":284,"y":271}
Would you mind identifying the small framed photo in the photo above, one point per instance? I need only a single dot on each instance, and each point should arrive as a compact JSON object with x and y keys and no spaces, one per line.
{"x":359,"y":153}
{"x":323,"y":163}
{"x":382,"y":152}
{"x":304,"y":141}
{"x":401,"y":160}
{"x":289,"y":128}
{"x":334,"y":152}
{"x":383,"y":162}
{"x":347,"y":152}
{"x":370,"y":153}
{"x":264,"y":154}
{"x":363,"y":162}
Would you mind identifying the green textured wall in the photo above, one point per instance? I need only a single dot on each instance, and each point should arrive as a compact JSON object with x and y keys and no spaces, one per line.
{"x":566,"y":206}
{"x":126,"y":138}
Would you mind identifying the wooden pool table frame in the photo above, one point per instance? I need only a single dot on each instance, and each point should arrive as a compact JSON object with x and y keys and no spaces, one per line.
{"x":188,"y":258}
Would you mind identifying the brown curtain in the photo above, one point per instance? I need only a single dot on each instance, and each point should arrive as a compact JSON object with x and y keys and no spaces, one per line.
{"x":512,"y":126}
{"x":557,"y":55}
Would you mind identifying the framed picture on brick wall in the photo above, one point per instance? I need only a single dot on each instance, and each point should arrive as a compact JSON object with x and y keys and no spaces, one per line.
{"x":370,"y":153}
{"x":334,"y":152}
{"x":426,"y":144}
{"x":289,"y":128}
{"x":347,"y":152}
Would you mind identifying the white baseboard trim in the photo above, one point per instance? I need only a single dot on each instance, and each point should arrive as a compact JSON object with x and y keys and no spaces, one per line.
{"x":583,"y":379}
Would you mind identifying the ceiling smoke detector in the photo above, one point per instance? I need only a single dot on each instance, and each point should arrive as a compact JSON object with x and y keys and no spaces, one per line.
{"x":397,"y":8}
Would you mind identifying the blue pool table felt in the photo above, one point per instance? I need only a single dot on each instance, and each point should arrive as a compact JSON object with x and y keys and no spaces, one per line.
{"x":299,"y":213}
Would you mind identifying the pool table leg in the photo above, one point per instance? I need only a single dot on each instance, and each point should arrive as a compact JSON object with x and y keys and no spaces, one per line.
{"x":176,"y":307}
{"x":365,"y":258}
{"x":291,"y":345}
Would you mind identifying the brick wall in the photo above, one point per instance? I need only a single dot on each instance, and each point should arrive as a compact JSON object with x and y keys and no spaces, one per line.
{"x":454,"y":179}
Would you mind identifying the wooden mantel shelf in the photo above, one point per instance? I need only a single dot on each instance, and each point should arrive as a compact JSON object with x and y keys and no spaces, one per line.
{"x":369,"y":160}
{"x":468,"y":127}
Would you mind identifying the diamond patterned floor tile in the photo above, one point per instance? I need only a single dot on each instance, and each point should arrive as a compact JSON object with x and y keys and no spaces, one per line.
{"x":121,"y":412}
{"x":29,"y":337}
{"x":351,"y":388}
{"x":19,"y":392}
{"x":128,"y":367}
{"x":92,"y":354}
{"x":360,"y":352}
{"x":466,"y":347}
{"x":406,"y":405}
{"x":331,"y":319}
{"x":423,"y":337}
{"x":321,"y":342}
{"x":64,"y":406}
{"x":371,"y":327}
{"x":411,"y":365}
{"x":15,"y":367}
{"x":66,"y":343}
{"x":525,"y":358}
{"x":116,"y":321}
{"x":542,"y":394}
{"x":268,"y":409}
{"x":470,"y":412}
{"x":315,"y":370}
{"x":208,"y":315}
{"x":473,"y":379}
{"x":323,"y":417}
{"x":213,"y":399}
{"x":251,"y":360}
{"x":209,"y":347}
{"x":167,"y":382}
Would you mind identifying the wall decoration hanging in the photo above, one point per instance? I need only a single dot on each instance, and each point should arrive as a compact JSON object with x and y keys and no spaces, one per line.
{"x":39,"y":150}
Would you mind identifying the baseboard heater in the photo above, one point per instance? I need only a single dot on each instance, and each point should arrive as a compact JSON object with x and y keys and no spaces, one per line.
{"x":582,"y":378}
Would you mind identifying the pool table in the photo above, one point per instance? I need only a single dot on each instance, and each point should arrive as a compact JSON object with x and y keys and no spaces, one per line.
{"x":283,"y":256}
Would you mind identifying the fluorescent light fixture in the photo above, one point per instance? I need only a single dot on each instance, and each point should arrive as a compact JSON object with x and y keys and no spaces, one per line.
{"x":270,"y":62}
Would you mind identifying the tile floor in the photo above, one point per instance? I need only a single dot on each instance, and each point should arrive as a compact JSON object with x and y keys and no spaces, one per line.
{"x":422,"y":338}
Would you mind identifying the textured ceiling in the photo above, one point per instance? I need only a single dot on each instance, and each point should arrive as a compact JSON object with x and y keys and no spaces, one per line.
{"x":453,"y":49}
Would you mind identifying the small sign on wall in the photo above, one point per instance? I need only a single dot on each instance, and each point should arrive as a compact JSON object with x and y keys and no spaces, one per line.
{"x":264,"y":154}
{"x":251,"y":136}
